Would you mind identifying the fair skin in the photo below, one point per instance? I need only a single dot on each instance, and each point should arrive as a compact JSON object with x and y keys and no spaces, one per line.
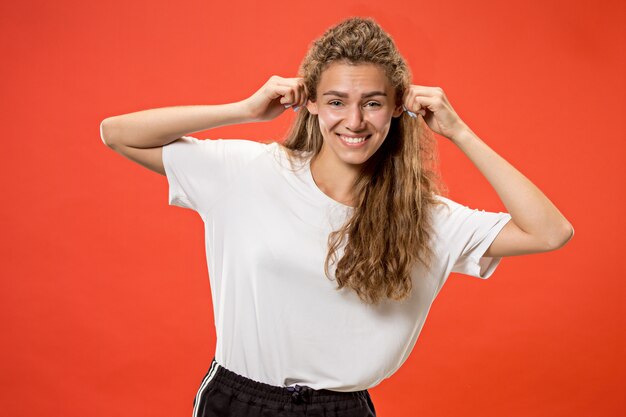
{"x":352,"y":100}
{"x":536,"y":224}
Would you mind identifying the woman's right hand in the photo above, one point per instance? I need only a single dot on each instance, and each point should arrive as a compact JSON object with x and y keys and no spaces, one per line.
{"x":275,"y":96}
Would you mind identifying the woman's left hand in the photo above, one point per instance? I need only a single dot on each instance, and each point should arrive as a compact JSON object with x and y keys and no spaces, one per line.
{"x":433,"y":105}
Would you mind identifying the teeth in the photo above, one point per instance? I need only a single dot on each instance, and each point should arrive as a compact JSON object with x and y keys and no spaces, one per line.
{"x":353,"y":140}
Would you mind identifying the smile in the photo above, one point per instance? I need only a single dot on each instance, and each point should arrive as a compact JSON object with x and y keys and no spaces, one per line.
{"x":353,"y":140}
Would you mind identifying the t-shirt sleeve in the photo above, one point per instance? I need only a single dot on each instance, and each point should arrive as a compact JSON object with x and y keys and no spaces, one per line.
{"x":468,"y":233}
{"x":199,"y":171}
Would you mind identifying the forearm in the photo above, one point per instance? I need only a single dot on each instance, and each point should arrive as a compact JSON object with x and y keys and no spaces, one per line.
{"x":160,"y":126}
{"x":529,"y":208}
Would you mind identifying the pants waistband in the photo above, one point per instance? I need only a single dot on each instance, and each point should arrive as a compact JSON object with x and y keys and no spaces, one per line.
{"x":297,"y":394}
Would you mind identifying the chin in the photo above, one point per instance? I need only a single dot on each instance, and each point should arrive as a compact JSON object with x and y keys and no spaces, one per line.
{"x":355,"y":159}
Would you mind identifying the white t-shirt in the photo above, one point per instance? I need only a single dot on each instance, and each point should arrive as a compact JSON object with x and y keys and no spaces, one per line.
{"x":278,"y":318}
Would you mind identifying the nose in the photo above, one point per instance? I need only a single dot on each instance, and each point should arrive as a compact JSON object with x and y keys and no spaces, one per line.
{"x":354,"y":119}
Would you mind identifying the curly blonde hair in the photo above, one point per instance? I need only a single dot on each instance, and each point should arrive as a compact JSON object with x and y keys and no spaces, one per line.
{"x":390,"y":227}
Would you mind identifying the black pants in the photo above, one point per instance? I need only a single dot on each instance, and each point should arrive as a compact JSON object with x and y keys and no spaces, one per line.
{"x":224,"y":393}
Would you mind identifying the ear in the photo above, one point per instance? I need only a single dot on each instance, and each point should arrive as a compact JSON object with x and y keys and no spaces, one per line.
{"x":312,"y":107}
{"x":397,"y":112}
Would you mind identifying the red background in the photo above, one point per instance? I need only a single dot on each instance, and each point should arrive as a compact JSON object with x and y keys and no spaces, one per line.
{"x":104,"y":296}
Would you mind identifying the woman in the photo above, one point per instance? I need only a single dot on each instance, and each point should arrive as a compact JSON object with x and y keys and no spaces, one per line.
{"x":326,"y":252}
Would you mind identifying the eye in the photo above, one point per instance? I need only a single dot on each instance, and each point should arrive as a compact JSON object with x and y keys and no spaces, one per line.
{"x":335,"y":103}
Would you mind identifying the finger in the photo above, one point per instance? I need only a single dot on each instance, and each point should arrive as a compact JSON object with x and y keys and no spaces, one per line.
{"x":422,"y":103}
{"x":300,"y":98}
{"x":427,"y":91}
{"x":409,"y":103}
{"x":291,"y":97}
{"x":303,"y":94}
{"x":277,"y":91}
{"x":297,"y":99}
{"x":296,"y":94}
{"x":287,"y":97}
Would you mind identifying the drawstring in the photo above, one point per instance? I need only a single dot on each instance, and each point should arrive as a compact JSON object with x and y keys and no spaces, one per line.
{"x":300,"y":394}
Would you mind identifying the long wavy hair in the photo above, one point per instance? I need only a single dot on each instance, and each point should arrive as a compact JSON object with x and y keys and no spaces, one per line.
{"x":390,"y":228}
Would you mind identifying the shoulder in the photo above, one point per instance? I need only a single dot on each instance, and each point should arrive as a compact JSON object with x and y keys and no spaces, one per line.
{"x":219,"y":147}
{"x":451,"y":206}
{"x":441,"y":203}
{"x":249,"y":143}
{"x":449,"y":213}
{"x":454,"y":217}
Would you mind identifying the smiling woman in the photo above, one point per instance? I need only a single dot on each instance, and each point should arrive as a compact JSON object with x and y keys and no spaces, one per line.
{"x":354,"y":113}
{"x":326,"y":251}
{"x":366,"y":153}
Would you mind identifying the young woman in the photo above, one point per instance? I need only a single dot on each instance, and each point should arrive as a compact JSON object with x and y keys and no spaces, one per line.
{"x":326,"y":251}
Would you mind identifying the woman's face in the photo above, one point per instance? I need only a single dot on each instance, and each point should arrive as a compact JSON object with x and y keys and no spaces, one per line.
{"x":354,"y":104}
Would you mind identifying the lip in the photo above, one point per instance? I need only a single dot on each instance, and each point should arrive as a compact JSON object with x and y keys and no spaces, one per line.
{"x":352,"y":136}
{"x":353,"y":145}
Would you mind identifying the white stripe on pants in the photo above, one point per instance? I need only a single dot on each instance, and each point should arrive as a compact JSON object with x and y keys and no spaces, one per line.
{"x":209,"y":376}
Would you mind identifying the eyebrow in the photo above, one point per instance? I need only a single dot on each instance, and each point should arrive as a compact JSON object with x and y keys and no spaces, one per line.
{"x":345,"y":95}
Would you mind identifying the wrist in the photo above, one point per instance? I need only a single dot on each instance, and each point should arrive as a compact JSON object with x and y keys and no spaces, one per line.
{"x":245,"y":110}
{"x":464,"y":134}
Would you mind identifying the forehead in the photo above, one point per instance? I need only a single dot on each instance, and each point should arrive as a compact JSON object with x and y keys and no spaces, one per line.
{"x":353,"y":78}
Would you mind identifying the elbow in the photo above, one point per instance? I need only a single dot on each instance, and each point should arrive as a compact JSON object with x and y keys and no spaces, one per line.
{"x":108,"y":131}
{"x":558,"y":240}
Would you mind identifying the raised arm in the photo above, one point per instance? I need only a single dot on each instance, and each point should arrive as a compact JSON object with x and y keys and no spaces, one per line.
{"x":536,"y":224}
{"x":139,"y":136}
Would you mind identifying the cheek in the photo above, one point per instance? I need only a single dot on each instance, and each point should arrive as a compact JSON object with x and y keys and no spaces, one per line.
{"x":381,"y":120}
{"x":329,"y":119}
{"x":383,"y":114}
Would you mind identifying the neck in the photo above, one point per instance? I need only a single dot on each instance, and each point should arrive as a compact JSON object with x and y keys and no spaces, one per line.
{"x":334,"y":177}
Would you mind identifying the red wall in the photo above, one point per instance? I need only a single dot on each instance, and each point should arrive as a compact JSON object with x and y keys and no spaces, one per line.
{"x":104,"y":295}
